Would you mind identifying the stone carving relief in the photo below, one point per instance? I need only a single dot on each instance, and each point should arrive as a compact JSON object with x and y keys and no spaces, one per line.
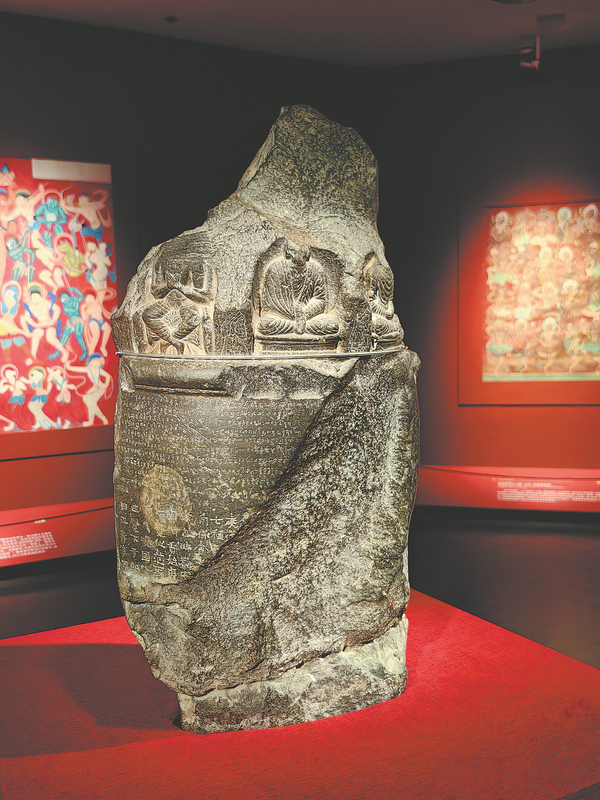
{"x":170,"y":306}
{"x":286,"y":264}
{"x":266,"y":445}
{"x":180,"y":316}
{"x":379,"y":286}
{"x":294,"y":299}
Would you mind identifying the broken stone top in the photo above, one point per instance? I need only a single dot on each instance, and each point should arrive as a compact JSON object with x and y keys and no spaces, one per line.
{"x":291,"y":263}
{"x":328,"y":171}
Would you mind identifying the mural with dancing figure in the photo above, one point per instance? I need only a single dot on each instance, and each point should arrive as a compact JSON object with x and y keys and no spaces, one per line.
{"x":58,"y":365}
{"x":542,"y":319}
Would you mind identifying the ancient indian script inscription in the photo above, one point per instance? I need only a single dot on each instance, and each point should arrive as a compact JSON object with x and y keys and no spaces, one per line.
{"x":225,"y":457}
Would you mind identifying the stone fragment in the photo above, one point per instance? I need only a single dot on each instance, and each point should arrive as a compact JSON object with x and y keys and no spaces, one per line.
{"x":266,"y":445}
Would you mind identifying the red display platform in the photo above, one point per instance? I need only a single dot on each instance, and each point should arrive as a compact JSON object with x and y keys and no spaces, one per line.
{"x":487,"y":715}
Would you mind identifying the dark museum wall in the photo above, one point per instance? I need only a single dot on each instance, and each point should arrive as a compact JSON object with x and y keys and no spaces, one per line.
{"x":180,"y":121}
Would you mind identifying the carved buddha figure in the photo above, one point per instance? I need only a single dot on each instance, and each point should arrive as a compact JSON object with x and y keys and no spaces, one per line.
{"x":379,"y":284}
{"x":184,"y":302}
{"x":293,"y":296}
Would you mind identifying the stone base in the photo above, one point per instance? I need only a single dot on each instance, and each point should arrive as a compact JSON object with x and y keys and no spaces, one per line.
{"x":337,"y":683}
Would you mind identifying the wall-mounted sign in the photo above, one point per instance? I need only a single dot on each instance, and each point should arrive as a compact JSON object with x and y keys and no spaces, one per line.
{"x":58,"y":291}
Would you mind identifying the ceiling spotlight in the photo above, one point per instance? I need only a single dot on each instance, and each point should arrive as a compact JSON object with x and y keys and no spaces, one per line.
{"x":171,"y":20}
{"x":532,"y":63}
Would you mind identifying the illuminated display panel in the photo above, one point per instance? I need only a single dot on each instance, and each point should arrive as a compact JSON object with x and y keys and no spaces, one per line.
{"x":58,"y":364}
{"x":542,"y":317}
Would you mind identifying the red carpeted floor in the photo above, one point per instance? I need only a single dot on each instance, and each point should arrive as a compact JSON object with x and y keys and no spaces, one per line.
{"x":487,"y":715}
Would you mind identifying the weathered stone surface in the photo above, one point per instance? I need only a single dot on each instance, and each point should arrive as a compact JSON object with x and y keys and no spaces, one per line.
{"x":266,"y":445}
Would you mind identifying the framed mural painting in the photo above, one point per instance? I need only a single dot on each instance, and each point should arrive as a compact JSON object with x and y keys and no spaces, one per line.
{"x":529,"y":306}
{"x":58,"y":366}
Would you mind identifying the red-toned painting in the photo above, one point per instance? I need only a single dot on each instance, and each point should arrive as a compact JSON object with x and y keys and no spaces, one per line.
{"x":58,"y":364}
{"x":542,"y":318}
{"x":529,"y":306}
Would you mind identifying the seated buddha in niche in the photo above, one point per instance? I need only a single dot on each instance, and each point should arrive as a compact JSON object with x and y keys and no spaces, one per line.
{"x":293,"y":297}
{"x":379,"y":286}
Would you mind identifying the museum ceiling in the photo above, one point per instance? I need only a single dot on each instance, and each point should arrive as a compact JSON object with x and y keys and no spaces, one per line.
{"x":361,"y":32}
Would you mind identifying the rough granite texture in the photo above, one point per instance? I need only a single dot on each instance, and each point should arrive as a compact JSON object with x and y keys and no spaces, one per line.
{"x":266,"y":445}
